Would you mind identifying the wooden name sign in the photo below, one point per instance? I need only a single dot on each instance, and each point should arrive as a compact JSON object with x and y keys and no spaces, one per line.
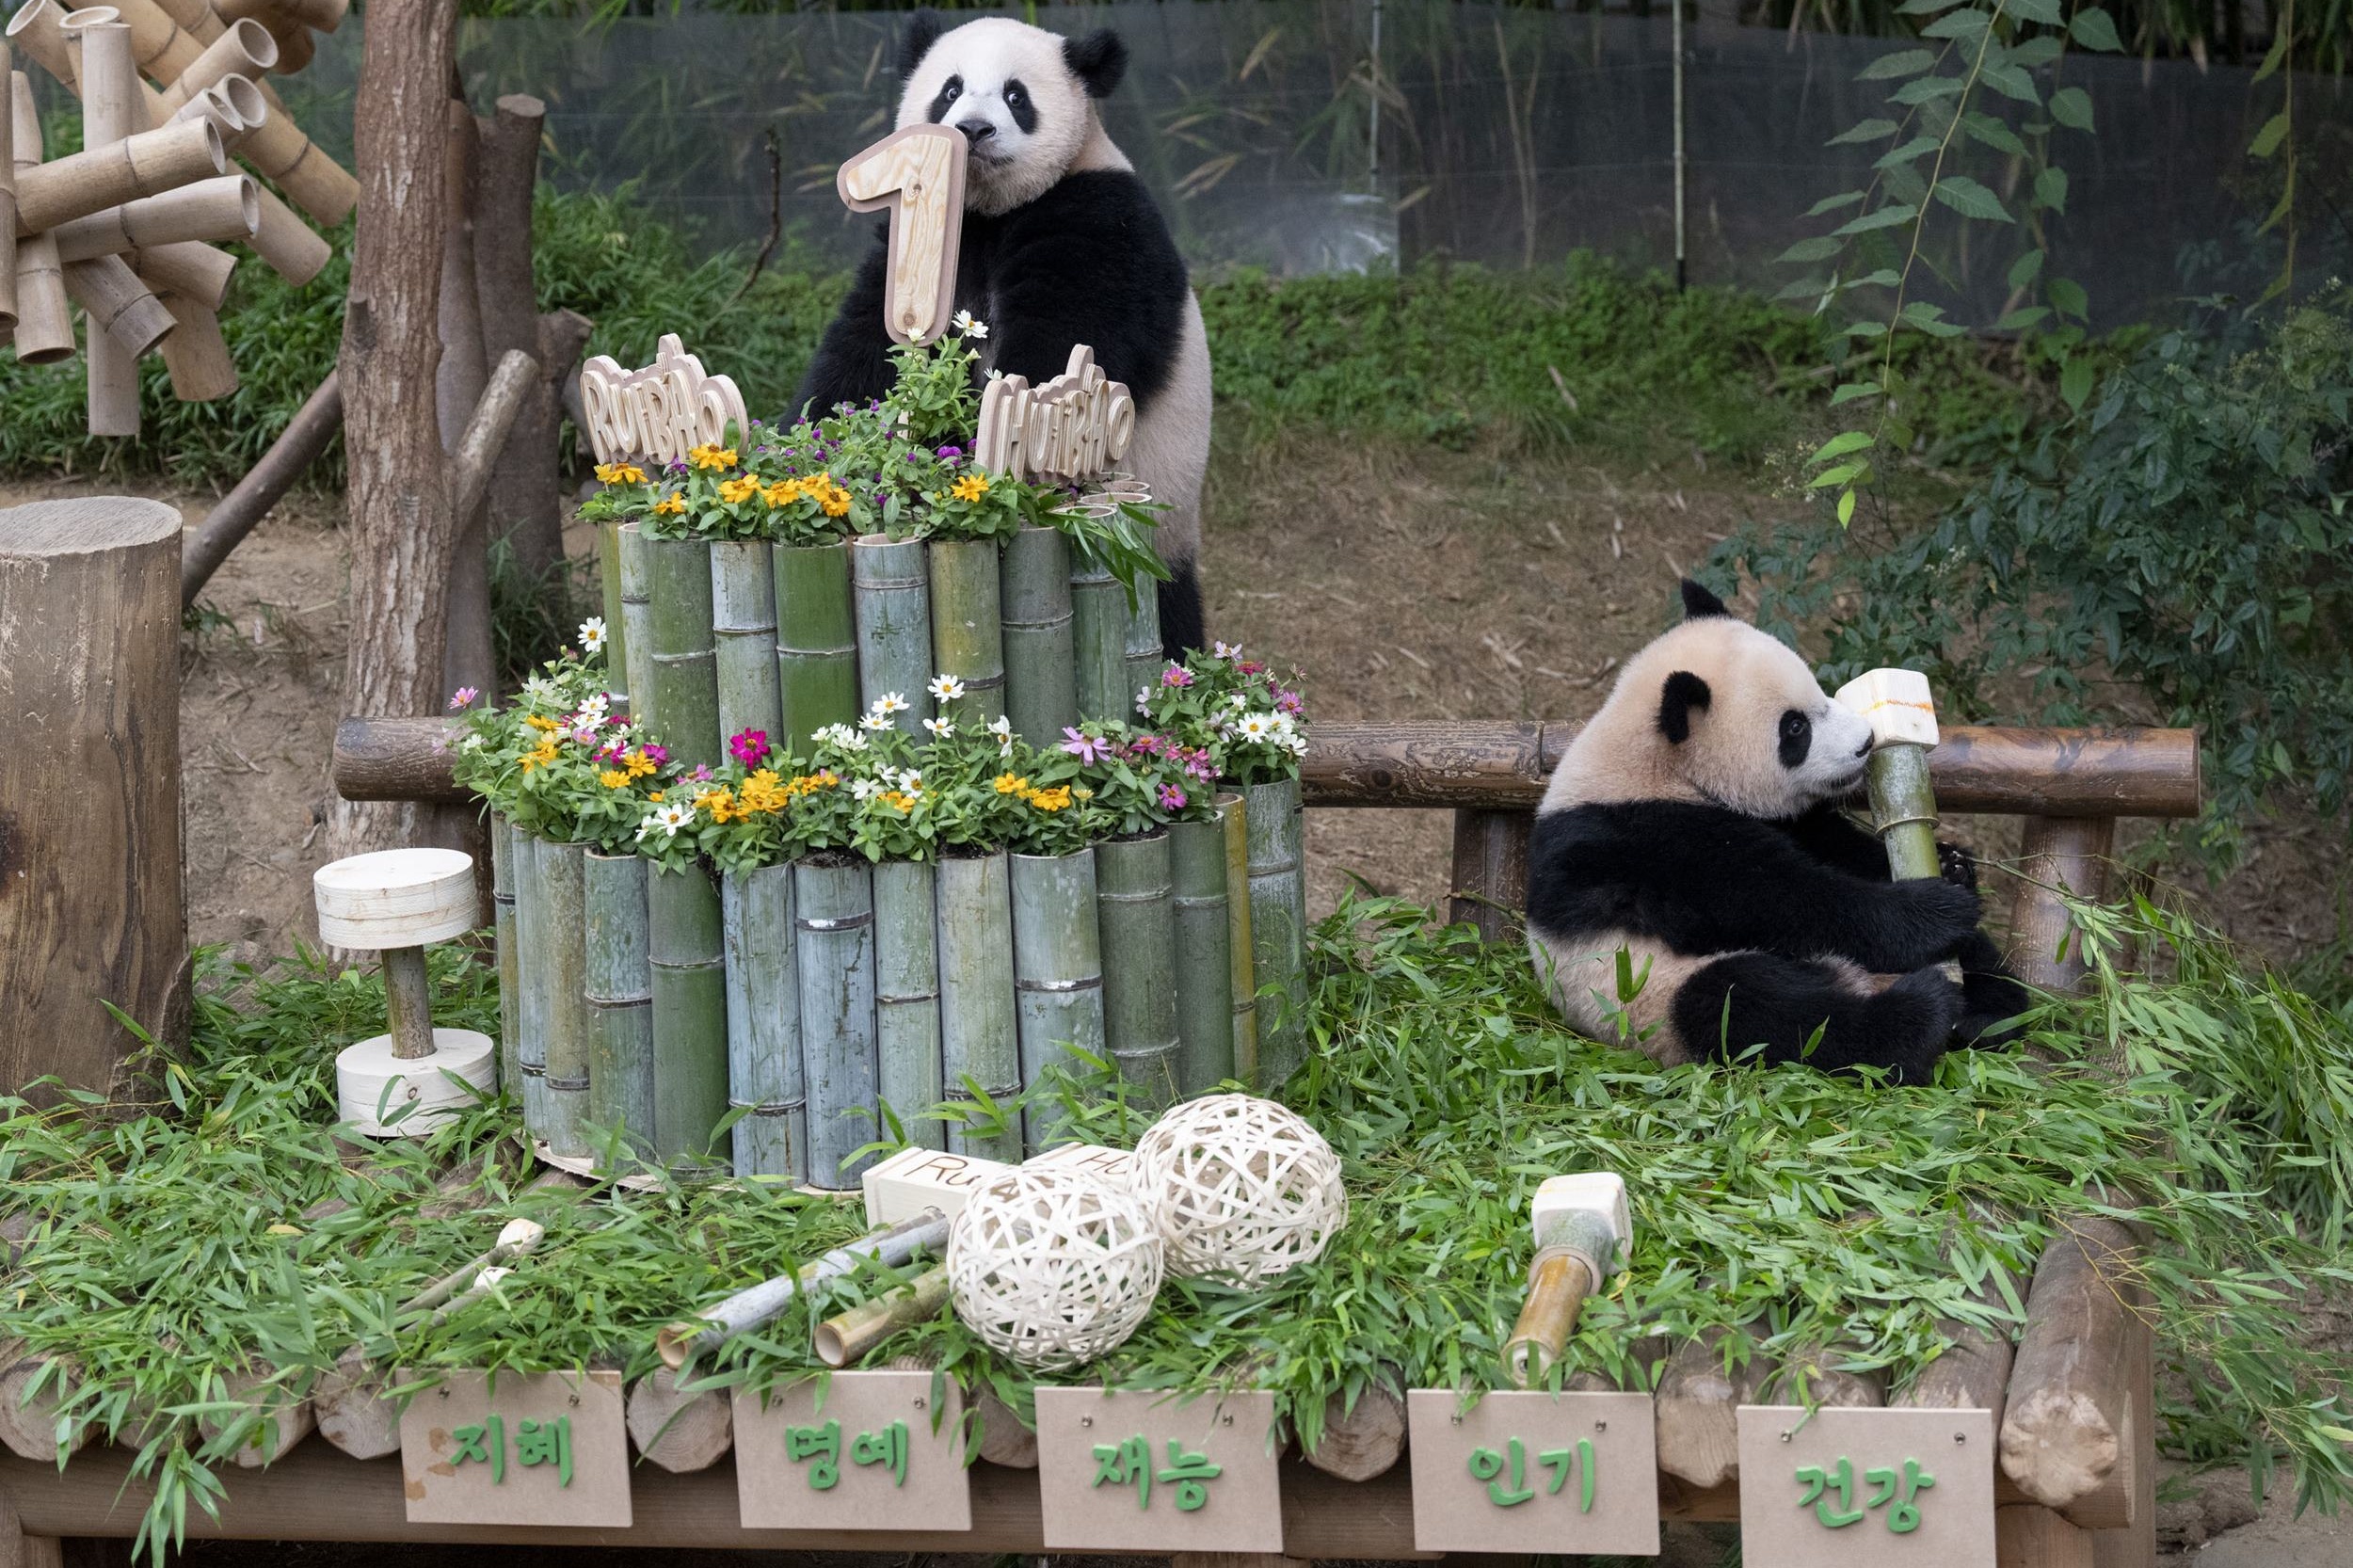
{"x":1158,"y":1472}
{"x":661,"y":412}
{"x":918,"y":174}
{"x":1866,"y":1488}
{"x":1116,"y":1167}
{"x":1534,"y":1472}
{"x":1073,"y":428}
{"x":548,"y":1448}
{"x":856,"y":1452}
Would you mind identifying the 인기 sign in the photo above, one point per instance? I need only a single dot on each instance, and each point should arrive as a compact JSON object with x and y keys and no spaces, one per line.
{"x":1534,"y":1472}
{"x":856,"y":1452}
{"x":1866,"y":1488}
{"x":1159,"y":1472}
{"x":543,"y":1449}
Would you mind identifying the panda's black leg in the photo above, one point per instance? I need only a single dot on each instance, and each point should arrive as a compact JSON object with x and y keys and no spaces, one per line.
{"x":1754,"y":998}
{"x":1181,"y":620}
{"x":1990,"y":994}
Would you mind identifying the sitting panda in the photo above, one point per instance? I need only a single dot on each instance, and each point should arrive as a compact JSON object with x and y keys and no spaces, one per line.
{"x":1061,"y":244}
{"x":1693,"y":826}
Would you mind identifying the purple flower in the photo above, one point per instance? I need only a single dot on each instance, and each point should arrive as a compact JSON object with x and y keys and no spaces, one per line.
{"x":944,"y":451}
{"x":701,"y":774}
{"x":1145,"y":746}
{"x":462,"y":696}
{"x":749,"y":747}
{"x":1172,"y":798}
{"x":1287,"y":701}
{"x":1175,"y":675}
{"x":1084,"y":747}
{"x":657,"y":754}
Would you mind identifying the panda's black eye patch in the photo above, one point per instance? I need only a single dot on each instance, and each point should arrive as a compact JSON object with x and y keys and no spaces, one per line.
{"x":1797,"y":737}
{"x":950,"y":90}
{"x":1017,"y":103}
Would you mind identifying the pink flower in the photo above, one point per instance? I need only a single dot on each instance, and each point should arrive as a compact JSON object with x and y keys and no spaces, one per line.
{"x":1084,"y":747}
{"x":749,"y":747}
{"x":1251,"y":667}
{"x":1287,"y":701}
{"x":462,"y":696}
{"x":1172,"y":798}
{"x":1177,"y":675}
{"x":701,"y":774}
{"x":1145,"y":745}
{"x":657,"y":754}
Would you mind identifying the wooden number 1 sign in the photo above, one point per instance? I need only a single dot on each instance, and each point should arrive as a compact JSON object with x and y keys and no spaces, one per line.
{"x":918,"y":174}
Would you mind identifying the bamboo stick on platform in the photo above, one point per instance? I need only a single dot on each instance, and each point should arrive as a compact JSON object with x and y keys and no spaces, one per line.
{"x":892,"y":1246}
{"x":764,"y":1059}
{"x":893,"y":594}
{"x":907,"y":995}
{"x":844,"y":1339}
{"x":816,"y":644}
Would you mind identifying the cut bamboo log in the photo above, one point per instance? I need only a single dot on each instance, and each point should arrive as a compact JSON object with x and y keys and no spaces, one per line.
{"x":281,"y":1418}
{"x":243,"y":49}
{"x":563,"y":954}
{"x":312,"y":181}
{"x":1041,"y":668}
{"x":188,"y":269}
{"x":125,"y":318}
{"x":1004,"y":1441}
{"x":687,"y":947}
{"x":1235,"y":816}
{"x":1278,"y":926}
{"x":97,"y":178}
{"x":906,"y":997}
{"x":121,"y":307}
{"x":1134,"y":907}
{"x":743,"y":639}
{"x":832,"y":922}
{"x":322,"y":15}
{"x":33,"y":1392}
{"x":1058,"y":970}
{"x":45,"y":324}
{"x":845,"y":1339}
{"x":617,"y":980}
{"x":38,"y":29}
{"x":635,"y":570}
{"x":680,"y":1433}
{"x":161,"y":46}
{"x":1699,"y":1439}
{"x":1204,"y":955}
{"x":816,"y":641}
{"x":503,"y":836}
{"x":1099,"y":631}
{"x":285,"y":243}
{"x":967,"y":628}
{"x":1362,"y":1440}
{"x":894,"y":627}
{"x":289,"y":457}
{"x":352,"y":1412}
{"x":2066,"y":1435}
{"x":764,"y":1024}
{"x":683,"y":664}
{"x":1141,"y":640}
{"x":893,"y":1246}
{"x":533,"y":1003}
{"x":196,"y":355}
{"x":979,"y":1039}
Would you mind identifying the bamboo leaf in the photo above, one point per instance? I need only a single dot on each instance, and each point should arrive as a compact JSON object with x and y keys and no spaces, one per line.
{"x":1258,"y":54}
{"x":2267,"y":141}
{"x":2094,"y":29}
{"x":1926,"y":90}
{"x":1904,"y":62}
{"x":1862,"y":131}
{"x":1971,"y":199}
{"x":2071,"y":107}
{"x":1957,"y":25}
{"x":1816,"y":249}
{"x":1832,"y":203}
{"x":1885,"y":217}
{"x":2049,"y":188}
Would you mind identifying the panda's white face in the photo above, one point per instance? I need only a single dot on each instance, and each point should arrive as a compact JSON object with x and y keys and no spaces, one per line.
{"x":1013,"y":93}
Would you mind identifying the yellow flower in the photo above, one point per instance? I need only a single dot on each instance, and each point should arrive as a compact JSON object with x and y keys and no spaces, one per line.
{"x":1009,"y":785}
{"x":784,"y":492}
{"x":972,"y":486}
{"x":1050,"y":800}
{"x":719,"y":803}
{"x":738,"y":489}
{"x":539,"y":756}
{"x":637,"y":765}
{"x":832,"y":498}
{"x":612,"y":778}
{"x":537,"y":723}
{"x":1081,"y":792}
{"x":620,"y":473}
{"x":669,"y":506}
{"x":712,"y":456}
{"x":656,"y":796}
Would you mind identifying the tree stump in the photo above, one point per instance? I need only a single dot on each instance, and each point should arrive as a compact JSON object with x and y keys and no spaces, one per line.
{"x":90,"y":897}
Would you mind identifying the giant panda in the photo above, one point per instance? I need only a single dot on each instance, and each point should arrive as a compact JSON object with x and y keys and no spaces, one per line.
{"x":1694,"y":825}
{"x":1061,"y":244}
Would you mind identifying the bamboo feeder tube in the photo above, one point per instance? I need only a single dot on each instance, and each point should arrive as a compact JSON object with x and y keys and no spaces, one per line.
{"x":764,"y":1024}
{"x":1098,"y":630}
{"x":1278,"y":924}
{"x":833,"y":925}
{"x":846,"y":1336}
{"x":687,"y":949}
{"x":893,"y":1246}
{"x":893,"y":601}
{"x":683,"y":663}
{"x":967,"y":630}
{"x":533,"y":1003}
{"x":616,"y":615}
{"x":618,"y":985}
{"x":1234,"y":816}
{"x":1134,"y":906}
{"x":126,"y":319}
{"x":188,"y":269}
{"x":243,"y":49}
{"x":121,"y":308}
{"x":743,"y":638}
{"x":37,"y":27}
{"x":1058,"y":970}
{"x":816,"y":639}
{"x":563,"y":954}
{"x":1142,"y":642}
{"x":283,"y":241}
{"x":503,"y":837}
{"x":195,"y":353}
{"x":632,"y":569}
{"x":90,"y":181}
{"x":203,"y":22}
{"x":8,"y":194}
{"x":1041,"y":672}
{"x":227,"y":207}
{"x":44,"y":323}
{"x":980,"y":1037}
{"x":321,"y":15}
{"x":312,"y":180}
{"x":1205,"y":959}
{"x":907,"y":995}
{"x":161,"y":46}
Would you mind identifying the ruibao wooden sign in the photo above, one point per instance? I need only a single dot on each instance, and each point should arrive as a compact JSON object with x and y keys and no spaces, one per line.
{"x":1161,"y":1473}
{"x":1534,"y":1472}
{"x":856,"y":1452}
{"x":917,"y":174}
{"x":1866,"y":1488}
{"x":548,"y":1448}
{"x":661,"y":412}
{"x":1075,"y":426}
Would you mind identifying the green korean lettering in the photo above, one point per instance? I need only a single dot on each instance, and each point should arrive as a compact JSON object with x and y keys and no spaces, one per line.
{"x":546,"y":1443}
{"x":1819,"y":1484}
{"x":888,"y":1447}
{"x":1126,"y":1463}
{"x":485,"y":1444}
{"x":1560,"y":1461}
{"x":1488,"y":1465}
{"x":822,"y":1444}
{"x":1190,"y":1474}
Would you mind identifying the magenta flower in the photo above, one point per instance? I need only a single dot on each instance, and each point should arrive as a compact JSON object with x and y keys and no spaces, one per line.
{"x":749,"y":747}
{"x":462,"y":696}
{"x":657,"y":754}
{"x":1177,"y":675}
{"x":1251,"y":667}
{"x":1287,"y":702}
{"x":1084,"y":747}
{"x":1145,"y":745}
{"x":701,"y":774}
{"x":1172,"y":798}
{"x":947,"y":451}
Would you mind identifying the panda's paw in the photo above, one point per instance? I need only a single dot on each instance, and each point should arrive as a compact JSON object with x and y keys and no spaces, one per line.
{"x":1912,"y":1023}
{"x":1956,"y":865}
{"x":1939,"y":918}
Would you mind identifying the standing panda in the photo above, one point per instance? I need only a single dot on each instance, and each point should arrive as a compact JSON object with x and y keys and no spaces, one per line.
{"x":1062,"y":246}
{"x":1692,"y":826}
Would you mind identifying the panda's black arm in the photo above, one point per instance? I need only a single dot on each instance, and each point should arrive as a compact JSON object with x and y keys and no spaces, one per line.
{"x":853,"y":361}
{"x":1831,"y":836}
{"x":1089,"y":263}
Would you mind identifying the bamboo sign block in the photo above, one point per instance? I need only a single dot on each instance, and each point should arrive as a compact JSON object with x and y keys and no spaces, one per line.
{"x":1862,"y":1488}
{"x":918,"y":173}
{"x":1075,"y":426}
{"x":1534,"y":1472}
{"x":856,"y":1452}
{"x":659,"y":413}
{"x":1151,"y":1472}
{"x":549,"y":1448}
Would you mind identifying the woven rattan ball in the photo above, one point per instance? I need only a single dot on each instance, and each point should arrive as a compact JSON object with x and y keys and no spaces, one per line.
{"x":1053,"y":1267}
{"x":1241,"y":1188}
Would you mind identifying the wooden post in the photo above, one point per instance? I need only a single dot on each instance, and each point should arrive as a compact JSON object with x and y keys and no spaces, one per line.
{"x":111,"y":110}
{"x":90,"y":902}
{"x":2057,"y":852}
{"x":1491,"y":870}
{"x":458,"y":384}
{"x":526,"y":508}
{"x":295,"y":449}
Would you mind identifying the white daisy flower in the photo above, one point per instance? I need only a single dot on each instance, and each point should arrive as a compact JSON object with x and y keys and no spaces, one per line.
{"x":969,"y":326}
{"x":1143,"y":700}
{"x":1239,"y":699}
{"x":1255,"y":726}
{"x":864,"y":790}
{"x":908,"y":779}
{"x":946,"y":688}
{"x":1229,"y":650}
{"x":539,"y":688}
{"x":850,"y":739}
{"x":592,"y":633}
{"x":890,"y":702}
{"x":940,"y":729}
{"x":873,"y":722}
{"x":1001,"y":727}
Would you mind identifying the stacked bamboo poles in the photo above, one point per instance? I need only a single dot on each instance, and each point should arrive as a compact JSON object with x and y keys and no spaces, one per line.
{"x":1278,"y":924}
{"x":1204,"y":954}
{"x":967,"y":630}
{"x":1235,"y":816}
{"x":743,"y":637}
{"x":533,"y":1005}
{"x":816,"y":639}
{"x":1135,"y":910}
{"x":834,"y":934}
{"x":894,"y":627}
{"x":1099,"y":627}
{"x":906,"y":995}
{"x":682,"y":675}
{"x":126,"y":319}
{"x":284,"y":242}
{"x":617,"y":650}
{"x":503,"y":837}
{"x":1141,"y":640}
{"x":686,"y":947}
{"x":1041,"y":672}
{"x":618,"y":979}
{"x":764,"y":1024}
{"x":561,"y":956}
{"x":980,"y":1040}
{"x":1058,"y":968}
{"x":635,"y":621}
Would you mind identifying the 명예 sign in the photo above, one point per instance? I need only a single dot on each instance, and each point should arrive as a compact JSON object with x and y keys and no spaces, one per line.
{"x":856,"y":1452}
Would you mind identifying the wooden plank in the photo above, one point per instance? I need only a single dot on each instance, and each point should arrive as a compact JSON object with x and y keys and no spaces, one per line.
{"x":20,"y":1550}
{"x":2073,"y":853}
{"x":2028,"y":1536}
{"x":2136,"y":1545}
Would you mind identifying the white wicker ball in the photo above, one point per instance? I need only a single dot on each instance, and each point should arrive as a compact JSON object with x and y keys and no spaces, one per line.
{"x":1241,"y":1188}
{"x":1053,"y":1267}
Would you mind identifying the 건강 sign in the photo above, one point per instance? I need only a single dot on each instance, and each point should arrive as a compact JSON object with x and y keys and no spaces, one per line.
{"x":1075,"y":426}
{"x":661,"y":412}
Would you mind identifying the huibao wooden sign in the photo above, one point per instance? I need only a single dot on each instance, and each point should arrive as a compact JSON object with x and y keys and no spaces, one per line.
{"x":661,"y":412}
{"x":1075,"y":426}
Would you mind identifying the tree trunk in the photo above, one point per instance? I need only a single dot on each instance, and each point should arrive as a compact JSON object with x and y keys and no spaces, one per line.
{"x":402,"y":529}
{"x":526,"y":508}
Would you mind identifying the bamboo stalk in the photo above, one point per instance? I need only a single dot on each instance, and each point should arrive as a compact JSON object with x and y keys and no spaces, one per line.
{"x":967,"y":632}
{"x":619,"y":984}
{"x":1142,"y":638}
{"x":531,"y":990}
{"x":847,"y":1336}
{"x":1205,"y":959}
{"x":312,"y":180}
{"x":242,"y":49}
{"x":690,"y":1013}
{"x":816,"y":640}
{"x":1278,"y":924}
{"x":979,"y":1039}
{"x":637,"y":645}
{"x":125,"y":318}
{"x":188,"y":269}
{"x":682,"y":665}
{"x":1058,"y":970}
{"x":96,"y":178}
{"x":1235,"y":814}
{"x":907,"y":995}
{"x":228,"y":207}
{"x":743,"y":638}
{"x":894,"y":625}
{"x":1041,"y":660}
{"x":564,"y":948}
{"x":503,"y":837}
{"x":1098,"y":630}
{"x":45,"y":324}
{"x":283,"y":241}
{"x":764,"y":1024}
{"x":834,"y":937}
{"x":616,"y":656}
{"x":161,"y":46}
{"x":8,"y":194}
{"x":1133,"y":905}
{"x":681,"y":1341}
{"x":196,"y":354}
{"x":121,"y":308}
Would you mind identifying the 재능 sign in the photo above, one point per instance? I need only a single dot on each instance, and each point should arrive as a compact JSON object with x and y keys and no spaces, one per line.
{"x":546,"y":1448}
{"x":1534,"y":1472}
{"x":856,"y":1452}
{"x":659,"y":413}
{"x":1161,"y":1473}
{"x":1866,"y":1488}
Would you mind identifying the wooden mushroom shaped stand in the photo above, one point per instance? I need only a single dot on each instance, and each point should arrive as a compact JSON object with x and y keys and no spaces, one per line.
{"x":395,"y":901}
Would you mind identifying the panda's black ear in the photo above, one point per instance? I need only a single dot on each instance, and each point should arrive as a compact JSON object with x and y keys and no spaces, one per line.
{"x":1099,"y":60}
{"x":1683,"y":693}
{"x":1698,"y":601}
{"x":922,"y":31}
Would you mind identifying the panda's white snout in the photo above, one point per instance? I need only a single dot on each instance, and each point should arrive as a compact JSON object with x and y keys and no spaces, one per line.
{"x":976,"y":131}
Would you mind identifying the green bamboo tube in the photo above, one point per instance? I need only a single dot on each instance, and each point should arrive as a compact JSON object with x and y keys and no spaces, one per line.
{"x":510,"y":958}
{"x":690,"y":1013}
{"x":619,"y":988}
{"x":683,"y":667}
{"x":834,"y":947}
{"x":531,"y":985}
{"x":979,"y":1037}
{"x":1903,"y":803}
{"x":968,"y":626}
{"x":1142,"y":639}
{"x":907,"y":995}
{"x":892,"y":598}
{"x":635,"y":652}
{"x":764,"y":1024}
{"x":816,"y":639}
{"x":1099,"y":635}
{"x":1278,"y":925}
{"x":1135,"y":908}
{"x":615,"y":612}
{"x":1041,"y":665}
{"x":1236,"y":817}
{"x":1205,"y":959}
{"x":1057,"y":969}
{"x":563,"y":952}
{"x":743,"y":638}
